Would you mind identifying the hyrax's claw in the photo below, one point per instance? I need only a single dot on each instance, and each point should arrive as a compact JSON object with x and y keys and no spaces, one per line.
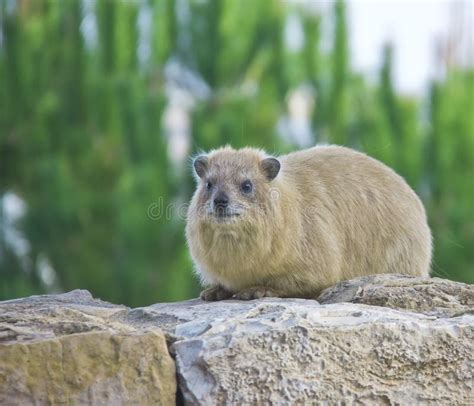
{"x":215,"y":293}
{"x":256,"y":292}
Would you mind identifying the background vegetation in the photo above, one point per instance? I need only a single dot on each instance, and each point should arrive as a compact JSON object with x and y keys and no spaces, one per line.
{"x":85,"y":148}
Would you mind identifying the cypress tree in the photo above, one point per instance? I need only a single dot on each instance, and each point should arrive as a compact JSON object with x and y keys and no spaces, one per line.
{"x":337,"y":109}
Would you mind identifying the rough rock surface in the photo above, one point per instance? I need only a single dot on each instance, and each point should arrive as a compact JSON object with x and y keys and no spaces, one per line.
{"x":400,"y":341}
{"x":277,"y":351}
{"x":431,"y":296}
{"x":67,"y":349}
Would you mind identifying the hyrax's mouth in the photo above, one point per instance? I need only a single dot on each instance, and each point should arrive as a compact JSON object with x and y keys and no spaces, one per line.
{"x":223,"y":214}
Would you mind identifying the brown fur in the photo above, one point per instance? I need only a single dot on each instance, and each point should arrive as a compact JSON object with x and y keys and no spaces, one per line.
{"x":330,"y":214}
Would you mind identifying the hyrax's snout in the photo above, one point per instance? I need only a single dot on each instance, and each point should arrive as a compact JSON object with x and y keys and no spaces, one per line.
{"x":221,"y":200}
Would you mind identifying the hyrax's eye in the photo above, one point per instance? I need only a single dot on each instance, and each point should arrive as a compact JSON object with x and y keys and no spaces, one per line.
{"x":208,"y":185}
{"x":246,"y":186}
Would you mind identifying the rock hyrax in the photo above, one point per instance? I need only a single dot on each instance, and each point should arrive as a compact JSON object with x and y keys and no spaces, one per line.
{"x":291,"y":226}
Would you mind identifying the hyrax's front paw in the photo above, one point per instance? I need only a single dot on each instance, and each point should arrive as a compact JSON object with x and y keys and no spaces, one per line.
{"x":215,"y":293}
{"x":256,"y":292}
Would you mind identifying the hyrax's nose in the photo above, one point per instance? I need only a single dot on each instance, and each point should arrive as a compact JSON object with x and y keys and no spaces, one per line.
{"x":221,"y":200}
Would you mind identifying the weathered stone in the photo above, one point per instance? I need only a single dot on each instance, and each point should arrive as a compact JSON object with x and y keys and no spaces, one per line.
{"x":399,"y":340}
{"x":282,"y":351}
{"x":67,"y":349}
{"x":431,"y":296}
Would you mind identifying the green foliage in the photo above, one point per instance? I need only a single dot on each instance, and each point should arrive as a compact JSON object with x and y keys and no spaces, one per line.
{"x":337,"y":108}
{"x":82,"y":140}
{"x":449,"y":170}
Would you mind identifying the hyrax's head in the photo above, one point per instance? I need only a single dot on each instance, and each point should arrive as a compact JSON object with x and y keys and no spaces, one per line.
{"x":234,"y":186}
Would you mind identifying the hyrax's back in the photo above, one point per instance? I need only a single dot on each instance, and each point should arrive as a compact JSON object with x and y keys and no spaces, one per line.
{"x":365,"y":216}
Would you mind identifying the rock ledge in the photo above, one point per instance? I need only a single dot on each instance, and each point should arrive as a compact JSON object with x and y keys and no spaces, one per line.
{"x":378,"y":339}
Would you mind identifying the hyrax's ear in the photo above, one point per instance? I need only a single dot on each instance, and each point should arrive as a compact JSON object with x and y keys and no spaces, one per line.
{"x":200,"y":165}
{"x":270,"y":167}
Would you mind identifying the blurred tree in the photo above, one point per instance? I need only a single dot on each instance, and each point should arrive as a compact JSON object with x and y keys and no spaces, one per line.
{"x":337,"y":107}
{"x":245,"y":108}
{"x":82,"y":143}
{"x":91,"y":157}
{"x":313,"y":69}
{"x":164,"y":32}
{"x":402,"y":123}
{"x":449,"y":171}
